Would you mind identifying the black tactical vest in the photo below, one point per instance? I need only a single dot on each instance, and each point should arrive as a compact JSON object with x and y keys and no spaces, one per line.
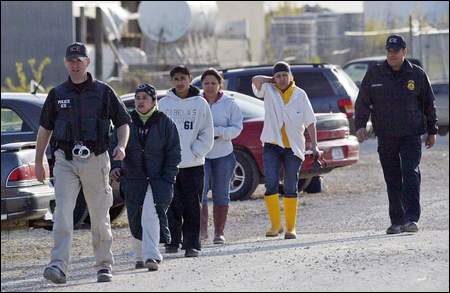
{"x":82,"y":117}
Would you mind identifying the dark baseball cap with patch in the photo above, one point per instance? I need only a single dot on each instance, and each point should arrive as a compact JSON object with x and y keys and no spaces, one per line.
{"x":146,"y":88}
{"x":395,"y":42}
{"x":76,"y":50}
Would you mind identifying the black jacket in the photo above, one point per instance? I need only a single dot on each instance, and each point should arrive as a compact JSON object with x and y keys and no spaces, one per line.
{"x":82,"y":112}
{"x":399,"y":104}
{"x":150,"y":158}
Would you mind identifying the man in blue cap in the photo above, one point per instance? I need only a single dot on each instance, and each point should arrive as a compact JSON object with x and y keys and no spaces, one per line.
{"x":398,"y":98}
{"x":77,"y":114}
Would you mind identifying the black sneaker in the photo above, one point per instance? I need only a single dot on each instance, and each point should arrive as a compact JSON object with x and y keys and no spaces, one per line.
{"x":151,"y":264}
{"x":139,"y":264}
{"x":55,"y":275}
{"x":171,"y":248}
{"x":394,"y":229}
{"x":104,"y":275}
{"x":191,"y":252}
{"x":411,"y":227}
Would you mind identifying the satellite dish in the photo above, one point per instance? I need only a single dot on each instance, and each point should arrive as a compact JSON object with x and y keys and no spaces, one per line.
{"x":169,"y":21}
{"x":163,"y":21}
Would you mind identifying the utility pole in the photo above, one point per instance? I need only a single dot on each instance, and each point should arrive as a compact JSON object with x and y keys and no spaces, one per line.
{"x":410,"y":45}
{"x":83,"y":25}
{"x":98,"y":44}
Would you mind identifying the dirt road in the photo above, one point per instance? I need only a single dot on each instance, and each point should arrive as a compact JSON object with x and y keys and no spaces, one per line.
{"x":342,"y":245}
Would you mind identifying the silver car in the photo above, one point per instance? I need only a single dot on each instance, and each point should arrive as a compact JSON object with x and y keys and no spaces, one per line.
{"x":23,"y":197}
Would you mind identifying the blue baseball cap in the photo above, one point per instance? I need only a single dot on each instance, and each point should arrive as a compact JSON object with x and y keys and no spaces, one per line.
{"x":395,"y":42}
{"x":76,"y":50}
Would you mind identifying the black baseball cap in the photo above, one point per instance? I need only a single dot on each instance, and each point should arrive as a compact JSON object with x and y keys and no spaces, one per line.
{"x":146,"y":88}
{"x":76,"y":50}
{"x":395,"y":42}
{"x":281,"y":67}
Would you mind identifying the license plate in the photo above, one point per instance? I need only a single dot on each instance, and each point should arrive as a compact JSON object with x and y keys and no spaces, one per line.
{"x":337,"y":153}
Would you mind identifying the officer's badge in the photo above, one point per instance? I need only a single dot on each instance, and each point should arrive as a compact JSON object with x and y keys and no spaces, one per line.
{"x":411,"y":85}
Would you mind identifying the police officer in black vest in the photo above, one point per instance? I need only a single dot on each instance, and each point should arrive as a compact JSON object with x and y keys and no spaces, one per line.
{"x":78,"y":113}
{"x":398,"y":98}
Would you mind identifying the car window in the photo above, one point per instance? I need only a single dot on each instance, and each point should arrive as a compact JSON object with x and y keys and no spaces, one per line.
{"x":350,"y":87}
{"x":315,"y":84}
{"x":244,"y":85}
{"x":357,"y":71}
{"x":11,"y":122}
{"x":440,"y":89}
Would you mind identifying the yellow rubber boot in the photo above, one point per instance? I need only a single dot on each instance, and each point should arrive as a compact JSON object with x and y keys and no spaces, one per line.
{"x":290,"y":210}
{"x":273,"y":208}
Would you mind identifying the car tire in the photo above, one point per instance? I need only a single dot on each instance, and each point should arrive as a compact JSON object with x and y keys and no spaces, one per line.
{"x":315,"y":186}
{"x":443,"y":130}
{"x":303,"y":184}
{"x":245,"y":178}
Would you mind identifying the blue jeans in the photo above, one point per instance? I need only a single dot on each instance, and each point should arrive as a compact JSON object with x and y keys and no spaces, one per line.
{"x":400,"y":158}
{"x":218,"y":174}
{"x":274,"y":157}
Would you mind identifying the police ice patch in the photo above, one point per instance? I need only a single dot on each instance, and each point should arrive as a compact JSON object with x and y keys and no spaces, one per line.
{"x":411,"y":85}
{"x":64,"y":103}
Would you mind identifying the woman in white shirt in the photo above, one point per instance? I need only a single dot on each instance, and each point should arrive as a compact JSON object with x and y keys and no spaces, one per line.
{"x":288,"y":112}
{"x":220,"y":161}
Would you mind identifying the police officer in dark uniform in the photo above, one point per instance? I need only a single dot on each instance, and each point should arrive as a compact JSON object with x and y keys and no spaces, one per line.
{"x":78,"y":113}
{"x":398,"y":98}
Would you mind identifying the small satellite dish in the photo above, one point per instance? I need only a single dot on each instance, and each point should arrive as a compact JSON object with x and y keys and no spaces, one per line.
{"x":169,"y":21}
{"x":164,"y":21}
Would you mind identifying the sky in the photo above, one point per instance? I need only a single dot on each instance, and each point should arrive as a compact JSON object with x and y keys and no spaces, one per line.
{"x":336,"y":6}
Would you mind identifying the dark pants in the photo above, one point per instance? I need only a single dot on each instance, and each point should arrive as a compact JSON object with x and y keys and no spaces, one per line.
{"x":134,"y":193}
{"x":400,"y":158}
{"x":274,"y":157}
{"x":184,"y":211}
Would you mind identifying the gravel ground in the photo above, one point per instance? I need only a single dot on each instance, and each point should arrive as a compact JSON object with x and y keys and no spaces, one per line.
{"x":341,"y":244}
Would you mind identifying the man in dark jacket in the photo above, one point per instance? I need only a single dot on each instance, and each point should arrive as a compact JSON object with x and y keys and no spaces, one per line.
{"x":397,"y":96}
{"x":147,"y":175}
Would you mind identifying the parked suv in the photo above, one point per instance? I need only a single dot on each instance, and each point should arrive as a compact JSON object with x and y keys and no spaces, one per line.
{"x":329,"y":88}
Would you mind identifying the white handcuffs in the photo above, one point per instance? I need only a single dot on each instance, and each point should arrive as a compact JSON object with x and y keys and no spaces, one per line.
{"x":80,"y":150}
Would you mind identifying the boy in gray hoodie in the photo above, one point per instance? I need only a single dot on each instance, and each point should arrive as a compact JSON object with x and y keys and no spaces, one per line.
{"x":193,"y":119}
